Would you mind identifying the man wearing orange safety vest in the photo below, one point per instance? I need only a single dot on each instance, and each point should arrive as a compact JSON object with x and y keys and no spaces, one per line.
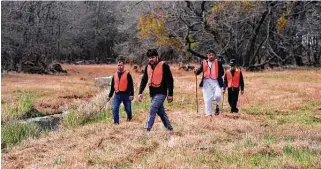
{"x":233,"y":80}
{"x":212,"y":81}
{"x":159,"y":78}
{"x":122,"y":85}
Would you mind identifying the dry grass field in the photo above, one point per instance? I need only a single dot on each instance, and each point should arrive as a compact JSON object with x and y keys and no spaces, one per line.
{"x":279,"y":124}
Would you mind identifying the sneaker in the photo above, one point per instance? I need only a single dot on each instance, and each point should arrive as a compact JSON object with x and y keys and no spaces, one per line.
{"x":148,"y":129}
{"x":116,"y":123}
{"x":129,"y":119}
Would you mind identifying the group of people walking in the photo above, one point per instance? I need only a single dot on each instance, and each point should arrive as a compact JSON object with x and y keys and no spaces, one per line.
{"x":159,"y":78}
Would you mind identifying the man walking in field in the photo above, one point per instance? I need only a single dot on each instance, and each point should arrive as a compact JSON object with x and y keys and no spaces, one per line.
{"x":122,"y":85}
{"x":212,"y":81}
{"x":159,"y":78}
{"x":233,"y":80}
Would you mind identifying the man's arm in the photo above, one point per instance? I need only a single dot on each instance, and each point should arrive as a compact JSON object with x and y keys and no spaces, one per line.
{"x":130,"y":85}
{"x":143,"y":81}
{"x":221,"y":68}
{"x":225,"y":82}
{"x":111,"y":92}
{"x":200,"y":69}
{"x":170,"y":80}
{"x":241,"y":81}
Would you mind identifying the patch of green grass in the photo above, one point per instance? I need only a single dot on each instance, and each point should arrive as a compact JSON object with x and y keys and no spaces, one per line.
{"x":260,"y":109}
{"x":141,"y":106}
{"x":287,"y":76}
{"x":183,"y":101}
{"x":261,"y":160}
{"x":21,"y":108}
{"x":288,"y":138}
{"x":232,"y":158}
{"x":248,"y":143}
{"x":305,"y":115}
{"x":104,"y":116}
{"x":270,"y":139}
{"x":59,"y":161}
{"x":16,"y":132}
{"x":72,"y":119}
{"x":302,"y":156}
{"x":75,"y":119}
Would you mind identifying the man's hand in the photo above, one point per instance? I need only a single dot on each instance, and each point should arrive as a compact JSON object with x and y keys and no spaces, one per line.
{"x":242,"y":92}
{"x":140,"y":97}
{"x":108,"y":99}
{"x":131,"y":98}
{"x":224,"y":90}
{"x":169,"y":99}
{"x":195,"y":70}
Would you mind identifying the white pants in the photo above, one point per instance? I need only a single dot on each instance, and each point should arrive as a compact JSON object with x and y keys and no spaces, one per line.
{"x":211,"y":91}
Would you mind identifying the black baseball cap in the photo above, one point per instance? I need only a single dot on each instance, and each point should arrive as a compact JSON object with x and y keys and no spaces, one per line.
{"x":152,"y":52}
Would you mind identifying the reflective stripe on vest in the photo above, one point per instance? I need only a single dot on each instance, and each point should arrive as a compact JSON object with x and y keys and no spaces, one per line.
{"x":155,"y":76}
{"x":120,"y":85}
{"x":233,"y":81}
{"x":210,"y":72}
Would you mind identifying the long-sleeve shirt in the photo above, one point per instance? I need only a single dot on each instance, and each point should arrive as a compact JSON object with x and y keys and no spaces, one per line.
{"x":166,"y":84}
{"x":220,"y":73}
{"x":130,"y":85}
{"x":241,"y":85}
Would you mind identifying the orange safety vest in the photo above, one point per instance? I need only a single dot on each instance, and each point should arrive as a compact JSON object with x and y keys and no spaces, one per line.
{"x":233,"y":81}
{"x":210,"y":72}
{"x":155,"y":76}
{"x":120,"y":85}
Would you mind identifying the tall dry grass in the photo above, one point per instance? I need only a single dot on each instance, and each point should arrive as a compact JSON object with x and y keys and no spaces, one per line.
{"x":278,"y":127}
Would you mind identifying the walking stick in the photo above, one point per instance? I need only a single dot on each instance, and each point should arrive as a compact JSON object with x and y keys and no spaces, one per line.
{"x":196,"y":93}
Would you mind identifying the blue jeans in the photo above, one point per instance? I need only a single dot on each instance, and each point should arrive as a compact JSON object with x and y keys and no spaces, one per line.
{"x":157,"y":106}
{"x":118,"y":98}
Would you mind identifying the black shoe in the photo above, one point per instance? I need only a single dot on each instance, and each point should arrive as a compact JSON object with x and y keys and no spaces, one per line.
{"x":148,"y":129}
{"x":170,"y":129}
{"x":129,"y":119}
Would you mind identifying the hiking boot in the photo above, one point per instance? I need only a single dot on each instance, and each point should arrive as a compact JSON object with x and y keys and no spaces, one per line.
{"x":217,"y":111}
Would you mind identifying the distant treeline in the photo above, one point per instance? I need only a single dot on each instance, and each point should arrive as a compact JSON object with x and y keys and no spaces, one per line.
{"x":256,"y":34}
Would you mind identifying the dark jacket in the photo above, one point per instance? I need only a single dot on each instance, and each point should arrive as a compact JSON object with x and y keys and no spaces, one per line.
{"x":130,"y":85}
{"x":220,"y":73}
{"x":166,"y":84}
{"x":241,"y":85}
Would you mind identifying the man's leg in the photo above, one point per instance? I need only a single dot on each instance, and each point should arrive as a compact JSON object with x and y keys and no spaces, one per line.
{"x":116,"y":105}
{"x":208,"y":96}
{"x":162,"y":114}
{"x":230,"y":98}
{"x":235,"y":97}
{"x":127,"y":105}
{"x":157,"y":101}
{"x":207,"y":103}
{"x":217,"y":96}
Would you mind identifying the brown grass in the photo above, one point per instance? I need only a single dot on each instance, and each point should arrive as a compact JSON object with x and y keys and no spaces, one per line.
{"x":244,"y":140}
